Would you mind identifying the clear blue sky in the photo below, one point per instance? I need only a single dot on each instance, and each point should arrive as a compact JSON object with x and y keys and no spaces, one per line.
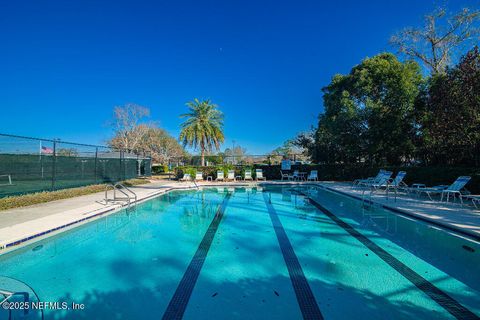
{"x":65,"y":64}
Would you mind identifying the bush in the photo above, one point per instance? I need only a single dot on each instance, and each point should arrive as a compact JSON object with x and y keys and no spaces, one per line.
{"x":208,"y":171}
{"x":429,"y":175}
{"x":158,"y":169}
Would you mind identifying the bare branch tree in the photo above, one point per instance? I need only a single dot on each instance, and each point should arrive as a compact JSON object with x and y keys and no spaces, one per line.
{"x":440,"y":39}
{"x":129,"y":127}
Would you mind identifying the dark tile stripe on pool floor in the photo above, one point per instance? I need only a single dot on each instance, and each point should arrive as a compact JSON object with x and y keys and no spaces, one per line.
{"x":439,"y":296}
{"x":178,"y":303}
{"x":306,"y":299}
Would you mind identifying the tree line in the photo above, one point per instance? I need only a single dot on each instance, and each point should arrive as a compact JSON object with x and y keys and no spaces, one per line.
{"x":133,"y":132}
{"x":389,"y":112}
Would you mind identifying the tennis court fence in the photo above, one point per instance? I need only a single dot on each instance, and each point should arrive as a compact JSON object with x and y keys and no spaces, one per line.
{"x":32,"y":165}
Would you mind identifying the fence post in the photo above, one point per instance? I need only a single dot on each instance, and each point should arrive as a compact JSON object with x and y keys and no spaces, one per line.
{"x":120,"y":168}
{"x":54,"y":164}
{"x":96,"y":159}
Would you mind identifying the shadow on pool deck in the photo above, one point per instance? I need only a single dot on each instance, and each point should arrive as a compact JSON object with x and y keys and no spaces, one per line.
{"x":452,"y":215}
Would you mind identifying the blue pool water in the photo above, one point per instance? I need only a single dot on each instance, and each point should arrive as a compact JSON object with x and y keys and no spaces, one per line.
{"x":271,"y":253}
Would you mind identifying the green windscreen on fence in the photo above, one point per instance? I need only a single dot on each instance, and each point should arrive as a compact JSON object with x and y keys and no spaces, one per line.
{"x":31,"y":165}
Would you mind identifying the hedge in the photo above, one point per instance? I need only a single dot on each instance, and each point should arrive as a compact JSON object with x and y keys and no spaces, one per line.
{"x":430,"y":176}
{"x":158,"y":169}
{"x":212,"y":170}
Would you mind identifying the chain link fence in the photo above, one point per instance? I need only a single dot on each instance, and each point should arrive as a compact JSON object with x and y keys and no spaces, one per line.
{"x":31,"y":165}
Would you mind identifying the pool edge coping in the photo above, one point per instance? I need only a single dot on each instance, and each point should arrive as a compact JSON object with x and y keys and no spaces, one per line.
{"x":10,"y":246}
{"x":24,"y":241}
{"x":447,"y":226}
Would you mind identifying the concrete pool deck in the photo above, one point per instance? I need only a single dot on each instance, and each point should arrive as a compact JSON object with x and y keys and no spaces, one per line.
{"x":22,"y":225}
{"x":464,"y":219}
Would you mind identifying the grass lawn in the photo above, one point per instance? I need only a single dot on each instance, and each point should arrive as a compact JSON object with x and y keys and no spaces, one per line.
{"x":47,"y":196}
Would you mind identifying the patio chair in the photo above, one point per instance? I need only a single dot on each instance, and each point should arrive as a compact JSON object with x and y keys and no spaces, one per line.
{"x":231,"y":175}
{"x":454,"y":189}
{"x":199,"y":176}
{"x":295,"y":176}
{"x":259,"y":175}
{"x":313,"y":175}
{"x":220,"y":176}
{"x":397,"y":183}
{"x":186,"y":177}
{"x":284,"y":175}
{"x":248,"y":175}
{"x":475,"y":198}
{"x":381,"y":182}
{"x":368,"y":180}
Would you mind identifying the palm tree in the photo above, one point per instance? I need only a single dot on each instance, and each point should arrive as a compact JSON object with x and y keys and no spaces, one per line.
{"x":203,"y":128}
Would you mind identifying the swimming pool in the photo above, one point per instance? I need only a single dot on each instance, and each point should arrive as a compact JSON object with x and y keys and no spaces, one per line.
{"x":278,"y":252}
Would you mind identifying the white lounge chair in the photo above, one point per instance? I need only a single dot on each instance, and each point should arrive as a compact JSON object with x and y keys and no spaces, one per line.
{"x":295,"y":176}
{"x":259,"y":175}
{"x":453,"y":189}
{"x":313,"y":175}
{"x":284,"y":175}
{"x":199,"y":176}
{"x":231,"y":175}
{"x":248,"y":175}
{"x":397,"y":183}
{"x":369,"y":180}
{"x":378,"y":183}
{"x":186,"y":177}
{"x":475,"y":198}
{"x":220,"y":176}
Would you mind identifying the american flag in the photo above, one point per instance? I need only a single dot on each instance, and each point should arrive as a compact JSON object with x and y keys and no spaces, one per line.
{"x":47,"y":150}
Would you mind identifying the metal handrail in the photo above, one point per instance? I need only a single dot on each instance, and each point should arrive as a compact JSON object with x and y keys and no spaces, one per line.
{"x":115,"y":188}
{"x":128,"y":189}
{"x":196,"y":185}
{"x":106,"y":191}
{"x":26,"y":295}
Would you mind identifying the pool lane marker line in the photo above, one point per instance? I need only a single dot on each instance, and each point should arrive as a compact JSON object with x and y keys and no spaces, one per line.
{"x":306,"y":299}
{"x":436,"y":294}
{"x":178,"y":304}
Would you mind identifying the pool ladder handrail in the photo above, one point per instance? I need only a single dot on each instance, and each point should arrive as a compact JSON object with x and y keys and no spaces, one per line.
{"x":8,"y":294}
{"x":118,"y":186}
{"x":195,"y":183}
{"x":370,"y":202}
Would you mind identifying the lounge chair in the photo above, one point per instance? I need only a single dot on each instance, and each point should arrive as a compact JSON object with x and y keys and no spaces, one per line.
{"x":397,"y":183}
{"x":378,"y":183}
{"x":475,"y":198}
{"x":313,"y":175}
{"x":248,"y":175}
{"x":259,"y":175}
{"x":220,"y":176}
{"x":231,"y":175}
{"x":295,"y":176}
{"x":453,"y":189}
{"x":284,"y":175}
{"x":368,"y":180}
{"x":199,"y":176}
{"x":186,"y":177}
